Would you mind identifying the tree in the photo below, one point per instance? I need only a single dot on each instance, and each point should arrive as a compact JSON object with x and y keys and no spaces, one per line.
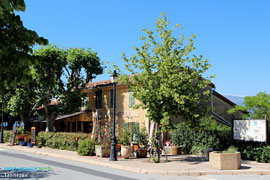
{"x":61,"y":75}
{"x":256,"y":106}
{"x":166,"y":78}
{"x":15,"y":46}
{"x":22,"y":103}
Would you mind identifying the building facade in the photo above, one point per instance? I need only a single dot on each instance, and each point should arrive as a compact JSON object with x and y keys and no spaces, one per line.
{"x":99,"y":110}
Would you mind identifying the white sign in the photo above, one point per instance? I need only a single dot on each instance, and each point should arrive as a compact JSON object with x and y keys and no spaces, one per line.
{"x":250,"y":130}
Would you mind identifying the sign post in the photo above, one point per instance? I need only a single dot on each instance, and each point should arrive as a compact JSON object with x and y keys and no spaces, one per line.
{"x":33,"y":135}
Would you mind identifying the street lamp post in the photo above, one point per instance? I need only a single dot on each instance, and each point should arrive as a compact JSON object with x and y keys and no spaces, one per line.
{"x":113,"y":156}
{"x":2,"y":133}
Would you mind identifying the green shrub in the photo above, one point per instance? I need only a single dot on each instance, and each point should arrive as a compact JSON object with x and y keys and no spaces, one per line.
{"x":86,"y":147}
{"x":141,"y":136}
{"x":215,"y":137}
{"x":60,"y":140}
{"x":231,"y":149}
{"x":8,"y":136}
{"x":254,"y":151}
{"x":124,"y":137}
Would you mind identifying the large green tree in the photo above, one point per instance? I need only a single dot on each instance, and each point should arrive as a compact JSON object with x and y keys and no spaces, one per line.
{"x":61,"y":75}
{"x":16,"y":43}
{"x":21,"y":102}
{"x":256,"y":106}
{"x":166,"y":77}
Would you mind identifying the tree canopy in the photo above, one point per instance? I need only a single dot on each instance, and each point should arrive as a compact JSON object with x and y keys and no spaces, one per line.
{"x":256,"y":106}
{"x":61,"y":75}
{"x":15,"y":46}
{"x":166,"y":76}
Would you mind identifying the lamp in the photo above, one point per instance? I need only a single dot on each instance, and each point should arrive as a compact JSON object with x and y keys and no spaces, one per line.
{"x":113,"y":155}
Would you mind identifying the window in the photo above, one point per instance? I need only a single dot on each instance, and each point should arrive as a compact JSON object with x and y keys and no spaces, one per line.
{"x":111,"y":98}
{"x":131,"y":99}
{"x":98,"y":99}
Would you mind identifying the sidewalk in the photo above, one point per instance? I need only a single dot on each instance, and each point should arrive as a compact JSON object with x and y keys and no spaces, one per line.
{"x":182,"y":165}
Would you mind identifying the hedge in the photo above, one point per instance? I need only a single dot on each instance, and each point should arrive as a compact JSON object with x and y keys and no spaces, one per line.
{"x":60,"y":140}
{"x":7,"y":136}
{"x":86,"y":147}
{"x":253,"y":151}
{"x":188,"y":138}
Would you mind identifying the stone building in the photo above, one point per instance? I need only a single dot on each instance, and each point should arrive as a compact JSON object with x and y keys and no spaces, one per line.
{"x":100,"y":103}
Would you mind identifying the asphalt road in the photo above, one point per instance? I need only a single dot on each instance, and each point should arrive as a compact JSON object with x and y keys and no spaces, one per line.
{"x":54,"y":168}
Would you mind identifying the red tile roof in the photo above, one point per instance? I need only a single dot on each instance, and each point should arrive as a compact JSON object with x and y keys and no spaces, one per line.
{"x":98,"y":83}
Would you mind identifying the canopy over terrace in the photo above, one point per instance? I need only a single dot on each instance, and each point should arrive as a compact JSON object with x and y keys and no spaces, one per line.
{"x":76,"y":122}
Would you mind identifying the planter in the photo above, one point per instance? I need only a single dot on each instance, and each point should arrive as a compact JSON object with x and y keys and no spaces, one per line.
{"x":22,"y":143}
{"x":225,"y":161}
{"x":29,"y":144}
{"x":142,"y":153}
{"x":172,"y":150}
{"x":102,"y":151}
{"x":126,"y":151}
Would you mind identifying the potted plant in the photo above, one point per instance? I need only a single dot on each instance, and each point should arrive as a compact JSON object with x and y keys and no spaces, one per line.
{"x":124,"y":140}
{"x":28,"y":140}
{"x":102,"y":150}
{"x":142,"y":140}
{"x":229,"y":159}
{"x":22,"y":139}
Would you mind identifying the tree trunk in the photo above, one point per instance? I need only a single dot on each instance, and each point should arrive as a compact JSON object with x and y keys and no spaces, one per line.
{"x":27,"y":124}
{"x":51,"y":122}
{"x":158,"y":144}
{"x":24,"y":119}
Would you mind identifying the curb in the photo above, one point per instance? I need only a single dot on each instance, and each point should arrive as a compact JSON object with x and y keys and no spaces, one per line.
{"x":145,"y":171}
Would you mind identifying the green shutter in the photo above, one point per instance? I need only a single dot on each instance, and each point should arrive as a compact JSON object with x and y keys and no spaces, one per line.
{"x":126,"y":126}
{"x":98,"y":99}
{"x":131,"y":99}
{"x":111,"y":98}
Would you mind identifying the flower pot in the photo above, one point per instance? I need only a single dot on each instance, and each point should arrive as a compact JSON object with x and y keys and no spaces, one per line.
{"x":126,"y":151}
{"x":142,"y":153}
{"x":225,"y":161}
{"x":22,"y":143}
{"x":29,"y":144}
{"x":172,"y":150}
{"x":102,"y":151}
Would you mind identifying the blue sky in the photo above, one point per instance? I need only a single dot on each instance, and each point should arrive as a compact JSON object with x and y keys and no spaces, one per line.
{"x":234,"y":35}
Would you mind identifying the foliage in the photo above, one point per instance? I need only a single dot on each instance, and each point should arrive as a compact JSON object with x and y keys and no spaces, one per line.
{"x":103,"y":133}
{"x":231,"y":149}
{"x":141,"y":136}
{"x":86,"y":147}
{"x":60,"y":76}
{"x":15,"y":46}
{"x":257,"y":106}
{"x":167,"y":77}
{"x":198,"y":149}
{"x":7,"y":136}
{"x":22,"y":103}
{"x":20,"y":130}
{"x":124,"y":137}
{"x":208,"y":123}
{"x":186,"y":137}
{"x":64,"y":141}
{"x":254,"y":151}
